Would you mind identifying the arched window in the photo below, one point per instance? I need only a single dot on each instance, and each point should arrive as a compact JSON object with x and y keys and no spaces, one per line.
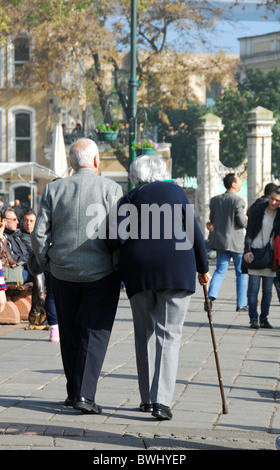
{"x":23,"y":137}
{"x":21,"y":134}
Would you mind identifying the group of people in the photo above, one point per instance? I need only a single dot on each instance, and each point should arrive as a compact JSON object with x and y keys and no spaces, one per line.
{"x":237,"y":235}
{"x":89,"y":238}
{"x":16,"y":227}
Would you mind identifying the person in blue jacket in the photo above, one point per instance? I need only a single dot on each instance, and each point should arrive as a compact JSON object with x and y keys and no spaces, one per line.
{"x":161,"y":250}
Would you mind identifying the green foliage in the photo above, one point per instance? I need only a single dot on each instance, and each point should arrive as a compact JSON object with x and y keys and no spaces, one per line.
{"x":145,"y":144}
{"x":106,"y":127}
{"x":232,"y":108}
{"x":258,"y":89}
{"x":177,"y":127}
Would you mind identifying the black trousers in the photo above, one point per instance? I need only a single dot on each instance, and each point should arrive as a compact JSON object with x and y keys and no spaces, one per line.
{"x":86,"y":312}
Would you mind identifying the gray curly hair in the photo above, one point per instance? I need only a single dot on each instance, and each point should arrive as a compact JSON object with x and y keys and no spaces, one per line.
{"x":147,"y":169}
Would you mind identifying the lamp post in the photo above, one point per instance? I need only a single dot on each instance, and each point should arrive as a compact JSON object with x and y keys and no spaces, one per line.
{"x":132,"y":85}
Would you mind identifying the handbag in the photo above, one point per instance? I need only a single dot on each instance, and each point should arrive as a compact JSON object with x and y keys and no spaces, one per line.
{"x":6,"y":257}
{"x":13,"y":274}
{"x":263,"y":257}
{"x":12,"y":271}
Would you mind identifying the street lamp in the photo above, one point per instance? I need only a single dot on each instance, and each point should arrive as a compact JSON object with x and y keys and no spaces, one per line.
{"x":132,"y":85}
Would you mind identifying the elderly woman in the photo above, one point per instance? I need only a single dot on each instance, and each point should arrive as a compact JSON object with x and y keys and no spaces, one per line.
{"x":162,"y":247}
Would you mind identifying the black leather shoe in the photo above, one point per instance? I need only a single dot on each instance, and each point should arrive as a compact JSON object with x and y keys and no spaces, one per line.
{"x":242,"y":309}
{"x":161,"y":411}
{"x":87,"y":406}
{"x":265,"y":324}
{"x":69,"y":402}
{"x":146,"y":407}
{"x":254,"y":324}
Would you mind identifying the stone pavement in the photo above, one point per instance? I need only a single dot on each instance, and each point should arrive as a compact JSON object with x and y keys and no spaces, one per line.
{"x":32,"y":388}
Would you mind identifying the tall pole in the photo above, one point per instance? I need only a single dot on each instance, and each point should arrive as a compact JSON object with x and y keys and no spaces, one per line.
{"x":132,"y":85}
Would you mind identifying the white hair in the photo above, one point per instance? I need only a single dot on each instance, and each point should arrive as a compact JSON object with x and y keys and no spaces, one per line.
{"x":82,"y":153}
{"x":147,"y":168}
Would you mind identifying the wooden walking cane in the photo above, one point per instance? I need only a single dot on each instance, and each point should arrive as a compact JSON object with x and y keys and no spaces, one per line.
{"x":209,"y":314}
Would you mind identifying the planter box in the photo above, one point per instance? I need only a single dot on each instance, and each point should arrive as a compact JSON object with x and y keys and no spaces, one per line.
{"x":146,"y":151}
{"x":107,"y":136}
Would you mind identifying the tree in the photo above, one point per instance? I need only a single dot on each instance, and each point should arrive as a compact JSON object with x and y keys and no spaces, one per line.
{"x":178,"y":128}
{"x":258,"y":89}
{"x":99,"y":32}
{"x":232,"y":108}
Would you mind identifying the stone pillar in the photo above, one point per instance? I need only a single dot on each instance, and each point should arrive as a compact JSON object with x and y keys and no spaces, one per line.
{"x":260,"y":122}
{"x":208,"y":150}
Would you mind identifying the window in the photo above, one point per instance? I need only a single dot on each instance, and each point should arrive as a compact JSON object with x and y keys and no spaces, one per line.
{"x":2,"y":68}
{"x":21,"y":55}
{"x":2,"y":135}
{"x":23,"y":137}
{"x":213,"y":93}
{"x":21,"y":134}
{"x":18,"y":53}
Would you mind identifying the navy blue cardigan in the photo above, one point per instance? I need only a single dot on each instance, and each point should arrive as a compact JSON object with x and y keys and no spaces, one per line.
{"x":165,"y":261}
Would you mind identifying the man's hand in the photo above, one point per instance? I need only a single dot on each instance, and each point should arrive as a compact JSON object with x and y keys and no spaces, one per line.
{"x":204,"y":279}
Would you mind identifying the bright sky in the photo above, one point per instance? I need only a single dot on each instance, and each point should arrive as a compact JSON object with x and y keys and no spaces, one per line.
{"x":244,"y":22}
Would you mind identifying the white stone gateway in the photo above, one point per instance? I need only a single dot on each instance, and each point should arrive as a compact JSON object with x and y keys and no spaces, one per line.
{"x":256,"y":168}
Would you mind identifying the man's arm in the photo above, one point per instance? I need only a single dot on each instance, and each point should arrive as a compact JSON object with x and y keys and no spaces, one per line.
{"x":240,"y":216}
{"x":212,"y":211}
{"x":41,"y":235}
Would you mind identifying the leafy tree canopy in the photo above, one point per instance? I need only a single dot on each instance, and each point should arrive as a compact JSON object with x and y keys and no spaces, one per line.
{"x":98,"y":31}
{"x":258,"y":89}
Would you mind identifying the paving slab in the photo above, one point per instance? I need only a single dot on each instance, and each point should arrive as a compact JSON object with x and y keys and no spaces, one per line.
{"x":32,"y":388}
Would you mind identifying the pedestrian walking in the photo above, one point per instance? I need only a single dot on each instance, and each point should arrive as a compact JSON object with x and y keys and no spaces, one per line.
{"x":263,"y":226}
{"x":85,"y":284}
{"x":228,"y":220}
{"x":158,"y":265}
{"x":268,"y":189}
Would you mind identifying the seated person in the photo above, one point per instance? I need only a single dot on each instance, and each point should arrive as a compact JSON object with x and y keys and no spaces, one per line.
{"x":19,"y":251}
{"x":3,"y":286}
{"x":28,"y":224}
{"x":15,"y":245}
{"x":40,"y":281}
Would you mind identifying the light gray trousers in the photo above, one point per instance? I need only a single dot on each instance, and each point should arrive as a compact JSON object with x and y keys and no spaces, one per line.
{"x":158,"y":318}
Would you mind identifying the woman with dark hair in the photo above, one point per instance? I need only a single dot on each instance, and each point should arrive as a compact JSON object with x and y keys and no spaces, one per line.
{"x":263,"y":226}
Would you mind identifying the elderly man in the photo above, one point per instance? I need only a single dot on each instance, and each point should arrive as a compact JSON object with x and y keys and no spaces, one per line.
{"x":86,"y":286}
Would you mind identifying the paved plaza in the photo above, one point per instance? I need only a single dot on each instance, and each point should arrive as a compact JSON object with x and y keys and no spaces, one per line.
{"x":32,"y":387}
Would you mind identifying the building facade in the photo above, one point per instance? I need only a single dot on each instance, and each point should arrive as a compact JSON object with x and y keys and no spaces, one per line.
{"x":261,"y":52}
{"x":27,"y":117}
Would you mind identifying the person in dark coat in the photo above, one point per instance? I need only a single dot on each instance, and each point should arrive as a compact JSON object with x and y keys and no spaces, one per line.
{"x":263,"y":226}
{"x":15,"y":245}
{"x":162,"y":249}
{"x":269,"y":188}
{"x":18,"y":210}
